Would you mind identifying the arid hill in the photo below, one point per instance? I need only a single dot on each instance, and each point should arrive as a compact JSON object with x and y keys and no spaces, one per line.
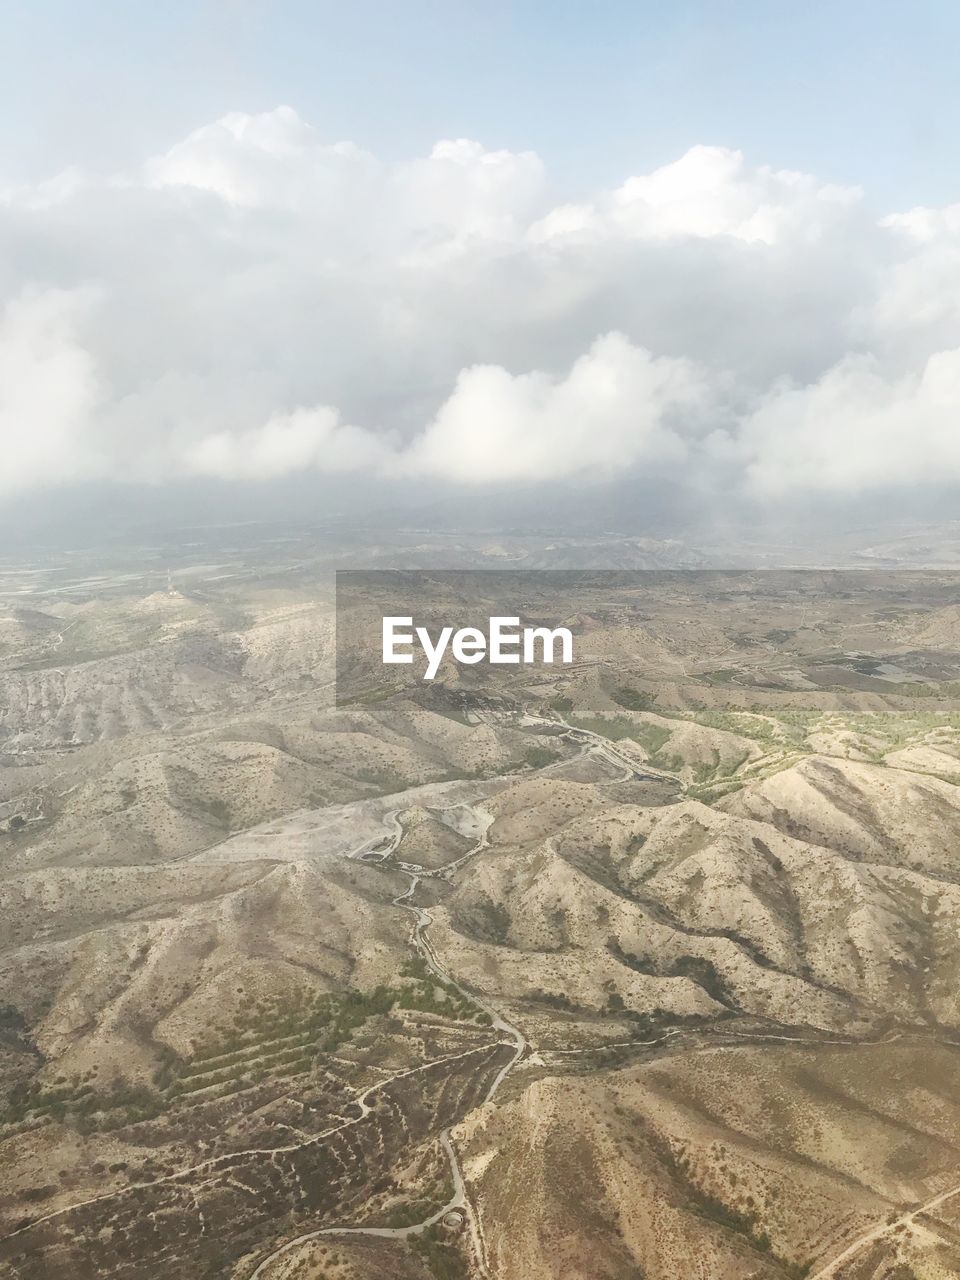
{"x":642,"y":969}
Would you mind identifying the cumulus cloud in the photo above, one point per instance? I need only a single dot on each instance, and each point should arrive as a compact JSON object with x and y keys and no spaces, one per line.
{"x":616,"y":407}
{"x":306,"y":438}
{"x":708,"y":192}
{"x":259,"y":301}
{"x":855,"y":430}
{"x":49,"y":392}
{"x":272,"y":160}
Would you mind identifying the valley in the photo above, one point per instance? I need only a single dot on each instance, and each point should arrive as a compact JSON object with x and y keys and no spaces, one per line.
{"x":643,"y":968}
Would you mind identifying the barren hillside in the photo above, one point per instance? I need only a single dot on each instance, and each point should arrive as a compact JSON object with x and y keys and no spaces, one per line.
{"x":645,"y":968}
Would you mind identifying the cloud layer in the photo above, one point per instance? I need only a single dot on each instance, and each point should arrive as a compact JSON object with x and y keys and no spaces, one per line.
{"x":259,"y":302}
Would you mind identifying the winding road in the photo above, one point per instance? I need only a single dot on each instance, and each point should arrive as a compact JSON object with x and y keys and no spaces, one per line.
{"x":381,"y":847}
{"x":459,"y":1201}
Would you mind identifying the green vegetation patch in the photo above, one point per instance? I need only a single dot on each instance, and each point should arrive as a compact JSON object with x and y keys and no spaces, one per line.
{"x":440,"y":1253}
{"x":633,"y":699}
{"x":271,"y":1038}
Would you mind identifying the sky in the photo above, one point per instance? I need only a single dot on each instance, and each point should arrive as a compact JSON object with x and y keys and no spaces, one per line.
{"x":861,"y":91}
{"x":466,"y":246}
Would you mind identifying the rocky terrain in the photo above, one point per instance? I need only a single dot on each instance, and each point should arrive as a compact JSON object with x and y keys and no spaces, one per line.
{"x":642,"y":968}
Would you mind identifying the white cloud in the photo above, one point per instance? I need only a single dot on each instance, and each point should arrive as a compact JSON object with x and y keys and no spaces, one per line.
{"x":926,"y":225}
{"x":708,"y":192}
{"x":465,"y":190}
{"x":918,"y":304}
{"x":272,"y":160}
{"x":617,"y":406}
{"x":305,"y":439}
{"x":446,"y":317}
{"x":49,"y":392}
{"x":855,"y":430}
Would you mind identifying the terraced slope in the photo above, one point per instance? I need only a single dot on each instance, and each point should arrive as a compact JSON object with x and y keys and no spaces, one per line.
{"x":648,"y":968}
